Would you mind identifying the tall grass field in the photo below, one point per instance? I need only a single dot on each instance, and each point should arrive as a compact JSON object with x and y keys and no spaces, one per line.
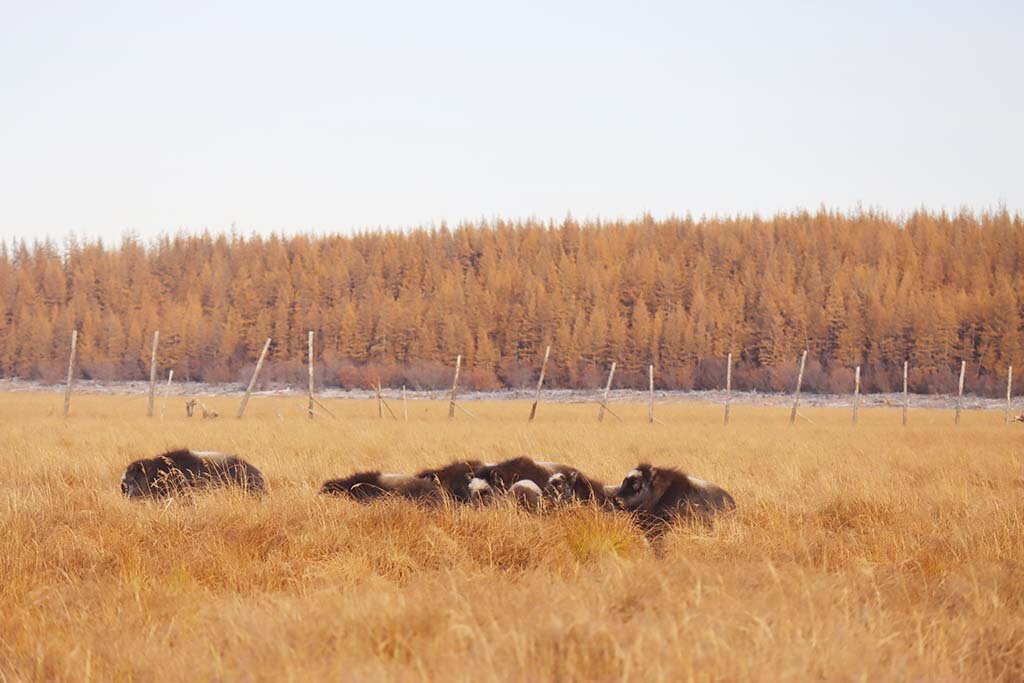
{"x":865,"y":553}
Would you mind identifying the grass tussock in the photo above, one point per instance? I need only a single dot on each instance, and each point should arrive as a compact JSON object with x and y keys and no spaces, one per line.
{"x":869,"y":553}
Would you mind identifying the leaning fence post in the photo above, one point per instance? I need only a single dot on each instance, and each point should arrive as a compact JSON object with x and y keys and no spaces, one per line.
{"x":796,"y":394}
{"x":1009,"y":387}
{"x":167,"y":392}
{"x":152,"y":374}
{"x":960,"y":391}
{"x":71,"y":371}
{"x":856,"y":393}
{"x":650,"y":403}
{"x":455,"y":387}
{"x":728,"y":385}
{"x":540,"y":383}
{"x":380,"y":399}
{"x":607,"y":388}
{"x":906,"y":393}
{"x":252,"y":382}
{"x":310,"y":374}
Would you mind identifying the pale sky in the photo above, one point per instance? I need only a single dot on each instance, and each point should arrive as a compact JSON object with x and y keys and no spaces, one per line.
{"x":327,"y":116}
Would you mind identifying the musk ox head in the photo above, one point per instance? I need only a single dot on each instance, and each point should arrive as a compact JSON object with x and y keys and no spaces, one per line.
{"x":480,"y":490}
{"x":561,"y":487}
{"x":134,"y":482}
{"x":636,"y":488}
{"x":152,"y":478}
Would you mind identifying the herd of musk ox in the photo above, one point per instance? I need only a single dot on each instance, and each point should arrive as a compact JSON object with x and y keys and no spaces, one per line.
{"x":654,"y":495}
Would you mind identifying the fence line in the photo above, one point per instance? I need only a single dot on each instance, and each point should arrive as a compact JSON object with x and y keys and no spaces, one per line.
{"x":604,"y":400}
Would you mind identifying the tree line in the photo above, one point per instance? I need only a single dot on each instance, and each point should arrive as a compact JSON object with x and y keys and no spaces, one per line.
{"x":853,"y":289}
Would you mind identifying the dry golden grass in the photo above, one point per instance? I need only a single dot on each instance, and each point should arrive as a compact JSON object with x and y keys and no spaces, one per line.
{"x":874,"y":553}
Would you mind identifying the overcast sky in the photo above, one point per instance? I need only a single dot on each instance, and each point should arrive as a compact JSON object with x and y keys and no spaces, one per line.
{"x":308,"y":116}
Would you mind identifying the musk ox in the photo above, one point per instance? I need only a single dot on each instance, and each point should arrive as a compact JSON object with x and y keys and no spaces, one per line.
{"x":571,"y":485}
{"x":456,"y":479}
{"x":177,"y":471}
{"x":365,"y":486}
{"x":480,"y":491}
{"x":501,"y":476}
{"x":611,"y":491}
{"x":659,"y":494}
{"x":526,"y":494}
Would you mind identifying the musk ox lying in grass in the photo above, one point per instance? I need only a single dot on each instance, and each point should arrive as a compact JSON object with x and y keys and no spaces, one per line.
{"x":502,"y":475}
{"x":527,"y":482}
{"x":177,"y":471}
{"x":467,"y":481}
{"x":454,"y":480}
{"x":660,"y":494}
{"x":365,"y":486}
{"x":571,"y":486}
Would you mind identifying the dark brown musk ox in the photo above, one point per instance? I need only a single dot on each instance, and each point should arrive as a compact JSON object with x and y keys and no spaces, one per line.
{"x":458,"y":480}
{"x":531,"y":483}
{"x":572,"y":486}
{"x":429,"y":485}
{"x":176,"y":472}
{"x":526,"y":494}
{"x":366,"y":486}
{"x":501,"y":476}
{"x":658,"y":495}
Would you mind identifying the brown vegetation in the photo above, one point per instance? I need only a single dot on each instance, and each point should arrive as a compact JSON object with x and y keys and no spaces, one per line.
{"x":875,"y":553}
{"x":680,"y":293}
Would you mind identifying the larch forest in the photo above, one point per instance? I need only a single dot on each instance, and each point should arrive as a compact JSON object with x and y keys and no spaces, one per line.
{"x":853,"y":289}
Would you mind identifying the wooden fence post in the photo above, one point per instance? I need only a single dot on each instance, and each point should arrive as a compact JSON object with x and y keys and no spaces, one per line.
{"x":540,"y":382}
{"x":799,"y":382}
{"x":1009,"y":388}
{"x":71,"y":371}
{"x":252,"y":382}
{"x":310,"y":374}
{"x":960,"y":391}
{"x":380,"y":400}
{"x":650,"y":402}
{"x":856,"y":393}
{"x":405,"y":404}
{"x":906,"y":393}
{"x":152,"y":374}
{"x":455,"y":387}
{"x":728,"y":385}
{"x":607,"y":388}
{"x":167,"y":392}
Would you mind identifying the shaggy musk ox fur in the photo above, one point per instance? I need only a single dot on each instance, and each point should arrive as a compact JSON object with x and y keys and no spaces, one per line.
{"x":428,"y":485}
{"x":501,"y":476}
{"x":526,"y":494}
{"x":455,"y":479}
{"x":571,"y":485}
{"x":365,"y":486}
{"x":176,"y":471}
{"x":556,"y":482}
{"x":659,"y":494}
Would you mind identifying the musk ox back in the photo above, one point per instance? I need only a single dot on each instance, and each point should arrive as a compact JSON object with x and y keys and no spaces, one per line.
{"x":503,"y":475}
{"x":660,"y":494}
{"x":456,"y":479}
{"x":366,"y":486}
{"x":178,"y":471}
